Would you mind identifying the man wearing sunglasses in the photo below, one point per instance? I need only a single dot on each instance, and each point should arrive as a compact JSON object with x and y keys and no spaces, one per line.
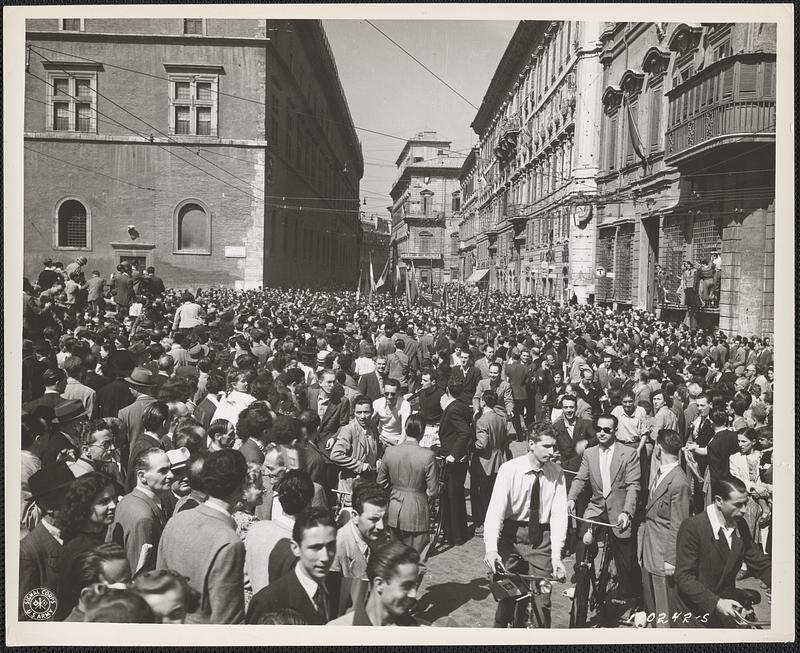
{"x":613,"y":475}
{"x":391,"y":412}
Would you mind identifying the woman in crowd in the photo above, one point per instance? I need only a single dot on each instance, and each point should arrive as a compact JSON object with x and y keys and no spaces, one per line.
{"x":90,"y":503}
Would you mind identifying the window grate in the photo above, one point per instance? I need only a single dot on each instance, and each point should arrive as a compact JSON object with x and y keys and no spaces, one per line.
{"x":623,"y":264}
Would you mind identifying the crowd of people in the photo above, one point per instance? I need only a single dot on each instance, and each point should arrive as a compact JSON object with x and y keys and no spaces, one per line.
{"x":272,"y":456}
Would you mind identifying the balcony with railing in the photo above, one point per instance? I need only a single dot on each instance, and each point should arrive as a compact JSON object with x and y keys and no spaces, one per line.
{"x":730,"y":103}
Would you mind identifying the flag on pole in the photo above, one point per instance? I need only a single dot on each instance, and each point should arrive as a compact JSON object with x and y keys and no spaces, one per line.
{"x":413,"y":286}
{"x":383,"y":281}
{"x":397,"y":279}
{"x":633,"y":132}
{"x":358,"y":288}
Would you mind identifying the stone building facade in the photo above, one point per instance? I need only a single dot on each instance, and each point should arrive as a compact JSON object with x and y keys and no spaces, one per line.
{"x":537,"y":160}
{"x":218,"y":151}
{"x":687,"y":169}
{"x":425,"y":209}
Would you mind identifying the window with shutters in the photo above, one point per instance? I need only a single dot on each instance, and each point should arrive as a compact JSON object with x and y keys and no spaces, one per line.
{"x":192,"y":228}
{"x":768,"y":79}
{"x":631,"y":130}
{"x":425,"y":242}
{"x":72,"y":102}
{"x":73,"y":225}
{"x":726,"y":83}
{"x":748,"y":80}
{"x":454,"y":243}
{"x":656,"y":99}
{"x":71,"y":24}
{"x":611,"y":141}
{"x":194,"y":26}
{"x":193,"y":104}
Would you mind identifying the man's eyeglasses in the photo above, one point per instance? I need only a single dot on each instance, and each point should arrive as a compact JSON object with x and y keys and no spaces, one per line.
{"x":605,"y":429}
{"x":389,"y":394}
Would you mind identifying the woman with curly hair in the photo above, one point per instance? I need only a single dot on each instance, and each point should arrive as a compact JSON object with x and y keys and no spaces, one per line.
{"x":89,"y":507}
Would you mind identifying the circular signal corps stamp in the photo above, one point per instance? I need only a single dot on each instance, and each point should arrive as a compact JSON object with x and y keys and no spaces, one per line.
{"x":40,"y":604}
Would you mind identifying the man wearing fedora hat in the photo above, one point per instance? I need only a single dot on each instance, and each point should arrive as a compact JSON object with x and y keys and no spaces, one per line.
{"x":142,"y":382}
{"x":40,"y":548}
{"x":64,"y":441}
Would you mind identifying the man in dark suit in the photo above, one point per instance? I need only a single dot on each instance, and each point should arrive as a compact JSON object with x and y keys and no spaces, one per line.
{"x":467,"y":375}
{"x":492,"y":440}
{"x":155,"y":425}
{"x":303,"y":589}
{"x":202,"y":545}
{"x":711,"y":547}
{"x":122,"y":290}
{"x":143,"y":382}
{"x":612,"y":471}
{"x":54,"y":381}
{"x":156,"y":284}
{"x":116,"y":395}
{"x":140,"y":515}
{"x":371,"y":384}
{"x":666,"y":508}
{"x":573,"y":436}
{"x":517,"y":375}
{"x":455,"y":436}
{"x":33,"y":370}
{"x":39,"y":549}
{"x":328,"y":401}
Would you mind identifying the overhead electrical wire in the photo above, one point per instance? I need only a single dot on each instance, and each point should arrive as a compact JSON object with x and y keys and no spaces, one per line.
{"x":378,"y":29}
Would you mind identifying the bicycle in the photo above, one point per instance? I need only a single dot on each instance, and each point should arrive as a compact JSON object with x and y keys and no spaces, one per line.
{"x":341,"y":511}
{"x":524,"y":589}
{"x":596,"y":592}
{"x":435,"y":512}
{"x":746,"y":617}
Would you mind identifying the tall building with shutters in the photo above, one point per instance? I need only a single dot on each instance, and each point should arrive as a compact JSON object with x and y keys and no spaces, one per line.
{"x":425,"y":209}
{"x":687,"y":171}
{"x":538,"y":141}
{"x":219,"y":151}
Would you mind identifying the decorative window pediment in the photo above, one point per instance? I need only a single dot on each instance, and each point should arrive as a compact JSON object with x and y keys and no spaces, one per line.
{"x":612,"y":97}
{"x":685,"y":37}
{"x":631,"y":82}
{"x":656,"y":61}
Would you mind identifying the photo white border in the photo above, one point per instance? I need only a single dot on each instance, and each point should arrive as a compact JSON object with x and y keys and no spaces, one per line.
{"x":783,"y":571}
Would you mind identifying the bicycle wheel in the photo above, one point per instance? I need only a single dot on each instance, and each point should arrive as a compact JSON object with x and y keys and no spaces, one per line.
{"x":609,"y":608}
{"x":580,"y":600}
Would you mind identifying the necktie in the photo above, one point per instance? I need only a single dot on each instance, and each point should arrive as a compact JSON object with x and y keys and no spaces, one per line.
{"x":320,"y":601}
{"x":534,"y":527}
{"x":655,"y":482}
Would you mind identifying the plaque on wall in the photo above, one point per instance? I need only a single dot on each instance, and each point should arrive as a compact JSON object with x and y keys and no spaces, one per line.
{"x":235,"y":251}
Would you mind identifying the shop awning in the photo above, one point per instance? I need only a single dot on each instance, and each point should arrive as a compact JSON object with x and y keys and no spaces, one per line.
{"x":477,"y":275}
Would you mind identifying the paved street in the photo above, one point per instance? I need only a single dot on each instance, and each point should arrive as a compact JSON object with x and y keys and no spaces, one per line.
{"x":456,"y":586}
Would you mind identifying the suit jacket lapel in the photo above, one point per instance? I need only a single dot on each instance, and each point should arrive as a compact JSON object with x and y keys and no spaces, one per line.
{"x":616,"y":463}
{"x":662,"y":487}
{"x":734,"y":554}
{"x":594,"y":467}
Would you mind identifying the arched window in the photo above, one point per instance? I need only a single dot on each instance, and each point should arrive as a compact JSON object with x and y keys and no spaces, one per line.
{"x":73,"y":222}
{"x":425,"y":240}
{"x":192,"y":228}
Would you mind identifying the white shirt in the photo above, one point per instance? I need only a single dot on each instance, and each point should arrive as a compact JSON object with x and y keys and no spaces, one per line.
{"x":605,"y":467}
{"x":663,"y":471}
{"x":392,"y":422}
{"x":717,"y":524}
{"x":511,"y":499}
